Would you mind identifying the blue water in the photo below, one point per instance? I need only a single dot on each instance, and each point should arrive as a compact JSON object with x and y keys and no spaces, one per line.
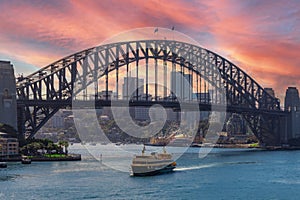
{"x":223,"y":174}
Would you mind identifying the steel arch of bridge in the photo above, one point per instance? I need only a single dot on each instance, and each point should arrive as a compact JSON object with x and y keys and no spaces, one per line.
{"x":44,"y":92}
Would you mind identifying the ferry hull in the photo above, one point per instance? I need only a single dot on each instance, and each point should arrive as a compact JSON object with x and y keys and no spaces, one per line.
{"x":3,"y":165}
{"x":137,"y":171}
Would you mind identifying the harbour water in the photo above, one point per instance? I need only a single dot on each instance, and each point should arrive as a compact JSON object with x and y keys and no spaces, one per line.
{"x":222,"y":174}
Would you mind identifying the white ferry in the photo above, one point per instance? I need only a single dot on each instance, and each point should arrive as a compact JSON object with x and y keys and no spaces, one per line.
{"x":153,"y":164}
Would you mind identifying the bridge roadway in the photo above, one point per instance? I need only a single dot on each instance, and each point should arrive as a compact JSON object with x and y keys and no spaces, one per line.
{"x":175,"y":105}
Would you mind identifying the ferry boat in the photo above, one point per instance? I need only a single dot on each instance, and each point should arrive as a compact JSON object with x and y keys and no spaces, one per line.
{"x":26,"y":160}
{"x":118,"y":143}
{"x":3,"y":165}
{"x":153,"y":164}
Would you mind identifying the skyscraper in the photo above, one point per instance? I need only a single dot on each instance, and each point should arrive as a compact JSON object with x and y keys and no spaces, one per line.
{"x":182,"y":85}
{"x":270,"y":91}
{"x":132,"y":87}
{"x":291,"y":102}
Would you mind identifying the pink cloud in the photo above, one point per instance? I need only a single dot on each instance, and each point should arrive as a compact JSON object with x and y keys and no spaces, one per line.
{"x":261,"y":37}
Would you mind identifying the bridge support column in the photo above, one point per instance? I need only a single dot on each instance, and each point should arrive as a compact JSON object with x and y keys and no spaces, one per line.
{"x":284,"y":129}
{"x":8,"y":104}
{"x":271,"y":130}
{"x":21,"y":120}
{"x":293,"y":130}
{"x":268,"y":129}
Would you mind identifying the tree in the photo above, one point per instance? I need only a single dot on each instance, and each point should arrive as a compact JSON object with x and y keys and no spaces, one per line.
{"x":50,"y":146}
{"x":64,"y":144}
{"x":203,"y":127}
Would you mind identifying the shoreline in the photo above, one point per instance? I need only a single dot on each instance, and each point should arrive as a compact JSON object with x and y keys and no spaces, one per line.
{"x":234,"y":146}
{"x":69,"y":157}
{"x":208,"y":145}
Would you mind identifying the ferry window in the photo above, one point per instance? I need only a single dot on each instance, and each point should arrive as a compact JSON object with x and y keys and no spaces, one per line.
{"x":5,"y":93}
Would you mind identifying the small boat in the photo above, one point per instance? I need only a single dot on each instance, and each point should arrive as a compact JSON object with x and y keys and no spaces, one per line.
{"x":3,"y":165}
{"x":118,"y":143}
{"x":26,"y":160}
{"x":153,"y":164}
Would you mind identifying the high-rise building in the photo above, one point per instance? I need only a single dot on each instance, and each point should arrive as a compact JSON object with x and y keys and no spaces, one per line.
{"x":8,"y":104}
{"x":267,"y":99}
{"x":202,"y":97}
{"x":109,"y":95}
{"x":132,"y":87}
{"x":292,"y":102}
{"x":270,"y":91}
{"x":57,"y":121}
{"x":182,"y":85}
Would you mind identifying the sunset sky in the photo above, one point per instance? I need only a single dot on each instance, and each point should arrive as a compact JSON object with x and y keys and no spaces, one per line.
{"x":261,"y":37}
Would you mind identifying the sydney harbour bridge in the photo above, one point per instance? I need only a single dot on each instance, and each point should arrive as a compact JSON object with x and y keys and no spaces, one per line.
{"x":82,"y":76}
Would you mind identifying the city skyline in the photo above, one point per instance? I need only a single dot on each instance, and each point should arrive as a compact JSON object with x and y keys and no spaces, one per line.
{"x":180,"y":85}
{"x":201,"y":95}
{"x":266,"y":47}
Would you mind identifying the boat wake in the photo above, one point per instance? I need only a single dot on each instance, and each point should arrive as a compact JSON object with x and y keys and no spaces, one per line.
{"x":195,"y":167}
{"x":212,"y":165}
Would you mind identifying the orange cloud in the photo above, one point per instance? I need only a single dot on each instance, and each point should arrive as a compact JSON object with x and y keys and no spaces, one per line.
{"x":261,"y":37}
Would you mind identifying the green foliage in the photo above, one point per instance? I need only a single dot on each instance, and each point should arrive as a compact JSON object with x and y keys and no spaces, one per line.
{"x":34,"y":145}
{"x":55,"y":155}
{"x":203,"y":127}
{"x":254,"y":145}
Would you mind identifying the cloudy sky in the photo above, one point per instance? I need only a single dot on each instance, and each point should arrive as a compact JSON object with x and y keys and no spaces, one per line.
{"x":261,"y":37}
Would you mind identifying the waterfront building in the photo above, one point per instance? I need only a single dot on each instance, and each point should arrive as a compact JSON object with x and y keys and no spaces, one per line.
{"x":141,"y":113}
{"x":8,"y":104}
{"x":8,"y":146}
{"x":57,"y":121}
{"x":68,"y":121}
{"x":173,"y":115}
{"x":66,"y":113}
